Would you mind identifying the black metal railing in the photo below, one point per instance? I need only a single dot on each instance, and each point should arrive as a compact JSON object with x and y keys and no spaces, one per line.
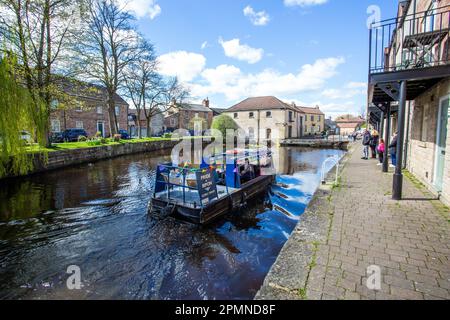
{"x":412,"y":41}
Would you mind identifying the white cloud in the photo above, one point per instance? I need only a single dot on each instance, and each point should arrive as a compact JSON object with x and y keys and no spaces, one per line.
{"x":185,"y":65}
{"x":350,"y":90}
{"x":235,"y":84}
{"x":204,"y":45}
{"x":260,"y":18}
{"x":304,"y":3}
{"x":356,"y":85}
{"x":142,"y":8}
{"x":234,"y":49}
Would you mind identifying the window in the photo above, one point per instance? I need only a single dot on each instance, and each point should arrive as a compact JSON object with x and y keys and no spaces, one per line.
{"x":318,"y":128}
{"x":428,"y":22}
{"x":291,"y":116}
{"x":79,"y":124}
{"x":251,"y":115}
{"x":268,"y":134}
{"x":117,"y":111}
{"x":319,"y":118}
{"x":78,"y":107}
{"x":55,"y":125}
{"x":312,"y":118}
{"x":197,"y":115}
{"x":425,"y":120}
{"x":251,"y":134}
{"x":99,"y":109}
{"x":269,"y":114}
{"x":235,"y":115}
{"x":54,"y":105}
{"x":172,"y":121}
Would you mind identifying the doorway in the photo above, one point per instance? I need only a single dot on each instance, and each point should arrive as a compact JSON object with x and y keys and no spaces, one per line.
{"x":441,"y":141}
{"x":101,"y":128}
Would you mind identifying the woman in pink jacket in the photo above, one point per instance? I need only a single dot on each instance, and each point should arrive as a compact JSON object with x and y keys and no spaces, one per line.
{"x":381,"y":151}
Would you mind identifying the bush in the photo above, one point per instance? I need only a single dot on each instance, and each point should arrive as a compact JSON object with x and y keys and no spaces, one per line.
{"x":94,"y":143}
{"x":167,"y":135}
{"x":117,"y":137}
{"x":103,"y":141}
{"x":98,"y":134}
{"x":224,"y":122}
{"x":82,"y":139}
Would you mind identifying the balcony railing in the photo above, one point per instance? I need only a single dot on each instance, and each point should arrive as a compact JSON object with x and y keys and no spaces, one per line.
{"x":412,"y":41}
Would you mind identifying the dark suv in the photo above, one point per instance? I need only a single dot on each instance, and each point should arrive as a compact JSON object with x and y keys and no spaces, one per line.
{"x":71,"y":135}
{"x":124,"y":134}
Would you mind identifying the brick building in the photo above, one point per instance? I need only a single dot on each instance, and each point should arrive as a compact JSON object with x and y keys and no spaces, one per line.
{"x":184,"y":115}
{"x":156,"y":124}
{"x":409,"y":91}
{"x":86,"y":108}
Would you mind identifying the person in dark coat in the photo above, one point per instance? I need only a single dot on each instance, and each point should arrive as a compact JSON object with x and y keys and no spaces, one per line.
{"x":366,"y":143}
{"x":374,"y":143}
{"x":393,"y":150}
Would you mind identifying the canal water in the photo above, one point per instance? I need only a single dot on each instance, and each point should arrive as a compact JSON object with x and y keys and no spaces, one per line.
{"x":95,"y":217}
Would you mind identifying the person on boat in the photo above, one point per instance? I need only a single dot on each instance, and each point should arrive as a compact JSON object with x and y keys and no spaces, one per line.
{"x":249,"y":172}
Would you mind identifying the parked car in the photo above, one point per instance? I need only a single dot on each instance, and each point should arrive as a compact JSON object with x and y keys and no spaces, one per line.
{"x":71,"y":135}
{"x":57,"y":137}
{"x":124,"y":134}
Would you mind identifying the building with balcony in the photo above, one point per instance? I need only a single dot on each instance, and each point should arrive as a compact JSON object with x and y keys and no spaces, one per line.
{"x":408,"y":93}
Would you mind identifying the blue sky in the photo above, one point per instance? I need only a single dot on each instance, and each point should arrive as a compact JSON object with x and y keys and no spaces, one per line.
{"x":313,"y":52}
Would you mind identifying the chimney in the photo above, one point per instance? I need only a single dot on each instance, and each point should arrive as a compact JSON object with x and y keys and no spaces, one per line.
{"x":317,"y":107}
{"x":206,"y":102}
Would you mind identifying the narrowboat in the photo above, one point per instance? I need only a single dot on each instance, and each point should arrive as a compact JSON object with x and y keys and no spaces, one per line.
{"x":201,"y":194}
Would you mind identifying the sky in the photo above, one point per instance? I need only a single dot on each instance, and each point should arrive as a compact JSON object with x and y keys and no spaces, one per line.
{"x":311,"y":52}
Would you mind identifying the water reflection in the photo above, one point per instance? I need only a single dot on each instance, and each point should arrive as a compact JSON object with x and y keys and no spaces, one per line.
{"x":95,"y":216}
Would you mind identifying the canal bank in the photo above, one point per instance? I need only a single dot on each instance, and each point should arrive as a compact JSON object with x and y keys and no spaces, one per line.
{"x":65,"y":158}
{"x":355,"y":225}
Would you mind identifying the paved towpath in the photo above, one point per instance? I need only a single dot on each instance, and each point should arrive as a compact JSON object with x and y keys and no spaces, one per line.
{"x":356,"y":225}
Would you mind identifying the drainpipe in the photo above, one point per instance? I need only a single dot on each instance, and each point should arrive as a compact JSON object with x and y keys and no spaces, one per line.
{"x":408,"y":119}
{"x":259,"y":121}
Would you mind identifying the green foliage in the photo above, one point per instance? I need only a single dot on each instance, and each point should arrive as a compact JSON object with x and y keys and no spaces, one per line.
{"x":19,"y":111}
{"x":167,"y":135}
{"x":117,"y":137}
{"x":82,"y":139}
{"x":224,"y":122}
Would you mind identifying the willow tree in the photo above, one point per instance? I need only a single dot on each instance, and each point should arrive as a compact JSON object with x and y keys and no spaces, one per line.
{"x":39,"y":32}
{"x":18,"y":113}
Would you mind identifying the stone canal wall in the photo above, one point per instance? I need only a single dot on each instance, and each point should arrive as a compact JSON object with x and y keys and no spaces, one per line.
{"x":291,"y":271}
{"x":60,"y":159}
{"x":315,"y":143}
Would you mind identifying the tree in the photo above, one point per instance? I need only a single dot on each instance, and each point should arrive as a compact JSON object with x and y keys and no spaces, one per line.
{"x":17,"y":114}
{"x":161,"y":95}
{"x":139,"y":80}
{"x":106,"y":48}
{"x":224,"y":122}
{"x":38,"y":33}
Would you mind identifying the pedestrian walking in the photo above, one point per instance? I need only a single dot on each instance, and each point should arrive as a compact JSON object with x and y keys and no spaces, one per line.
{"x":366,"y":143}
{"x":381,"y":151}
{"x":374,"y":143}
{"x":393,"y":150}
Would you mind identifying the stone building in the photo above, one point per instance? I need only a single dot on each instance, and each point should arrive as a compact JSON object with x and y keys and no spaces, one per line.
{"x":409,"y":91}
{"x":265,"y":118}
{"x":184,"y":115}
{"x":86,"y":108}
{"x":313,"y":121}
